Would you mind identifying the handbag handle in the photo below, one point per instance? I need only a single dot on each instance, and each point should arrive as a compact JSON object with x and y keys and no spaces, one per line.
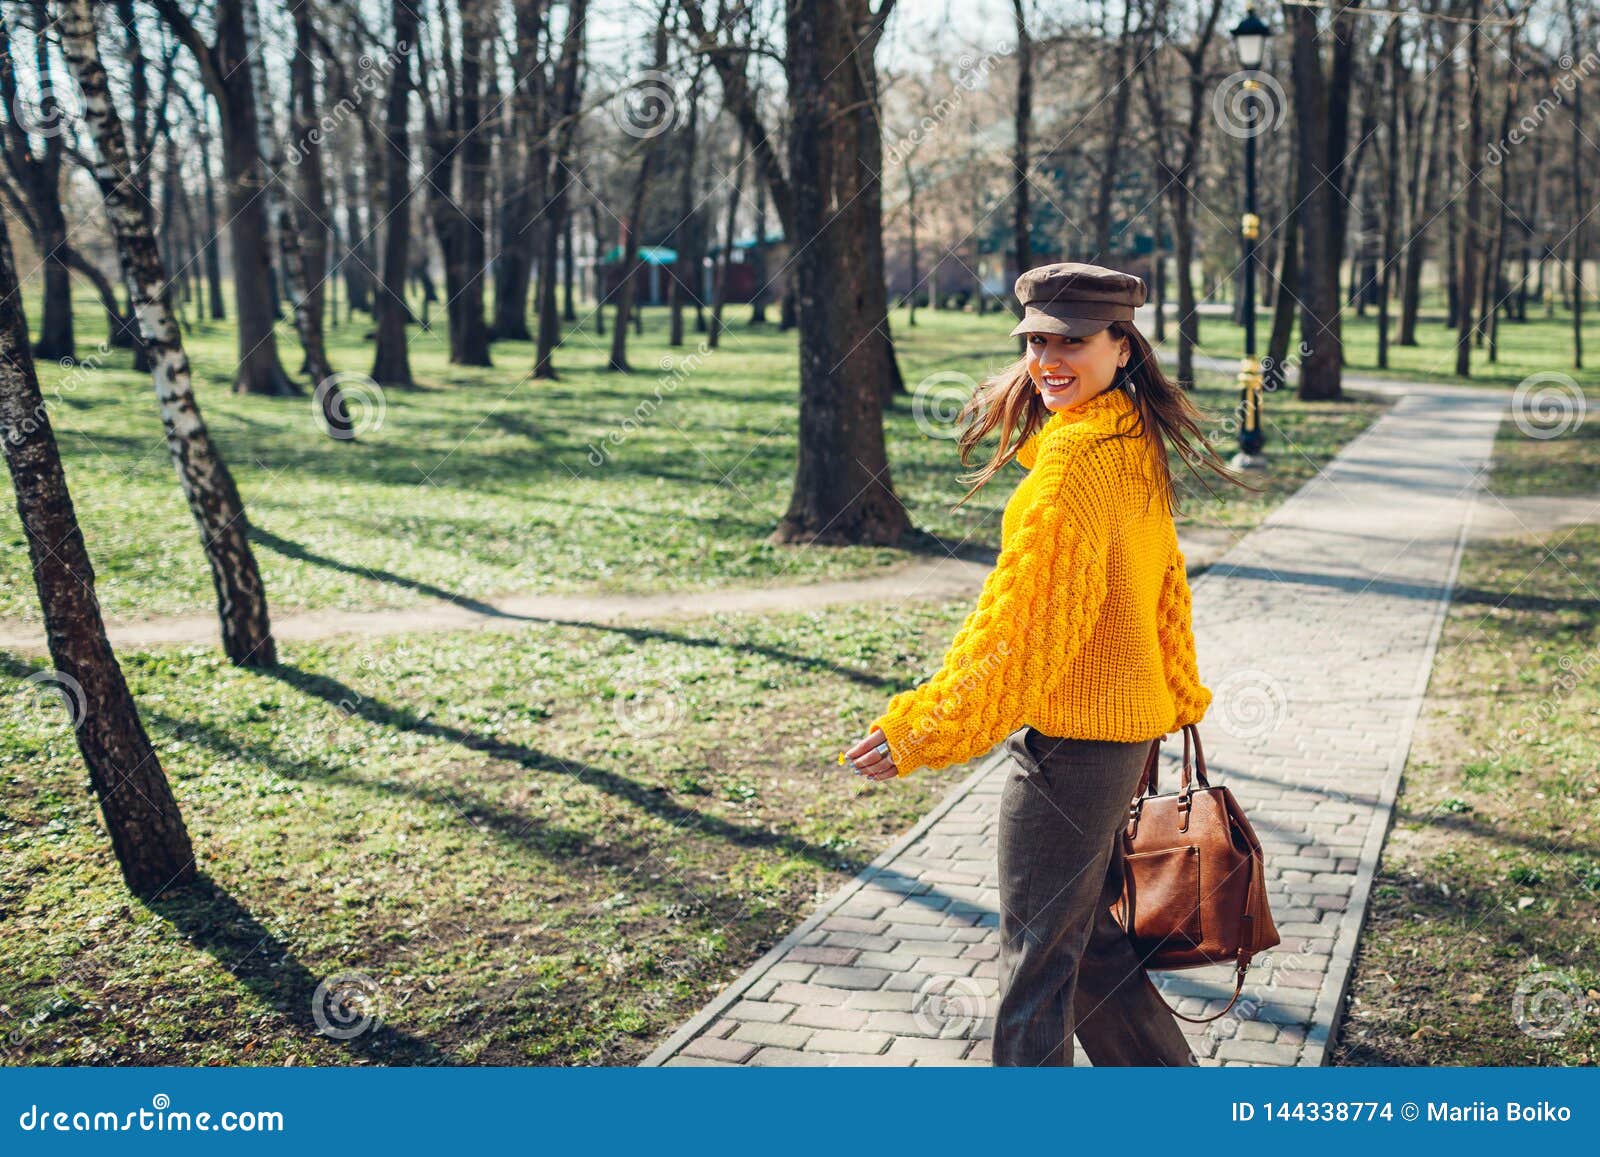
{"x":1148,"y":782}
{"x":1199,"y":756}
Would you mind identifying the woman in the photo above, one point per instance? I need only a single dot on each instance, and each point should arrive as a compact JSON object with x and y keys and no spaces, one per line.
{"x":1082,"y":639}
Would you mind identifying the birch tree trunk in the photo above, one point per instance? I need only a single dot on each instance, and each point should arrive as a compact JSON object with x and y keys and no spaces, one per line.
{"x":207,"y":485}
{"x":147,"y":831}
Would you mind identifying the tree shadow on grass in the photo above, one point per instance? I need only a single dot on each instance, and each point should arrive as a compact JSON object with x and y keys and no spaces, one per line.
{"x":650,"y":800}
{"x":937,"y":546}
{"x":290,"y":549}
{"x":638,"y":634}
{"x":206,"y":915}
{"x":1510,"y":600}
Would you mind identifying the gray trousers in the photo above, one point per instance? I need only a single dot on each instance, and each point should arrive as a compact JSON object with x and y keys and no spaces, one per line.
{"x":1065,"y":964}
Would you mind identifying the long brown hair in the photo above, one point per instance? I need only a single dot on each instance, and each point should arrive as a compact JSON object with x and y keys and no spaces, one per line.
{"x":1163,"y":416}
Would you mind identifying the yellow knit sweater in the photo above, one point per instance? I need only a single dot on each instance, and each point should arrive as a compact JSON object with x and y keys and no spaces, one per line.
{"x":1083,"y":628}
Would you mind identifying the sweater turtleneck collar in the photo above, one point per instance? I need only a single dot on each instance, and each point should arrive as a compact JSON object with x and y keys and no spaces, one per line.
{"x":1110,"y":401}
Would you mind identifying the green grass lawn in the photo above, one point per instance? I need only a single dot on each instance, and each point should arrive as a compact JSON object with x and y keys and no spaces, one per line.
{"x":480,"y":481}
{"x":1486,"y":904}
{"x":550,"y":847}
{"x":1538,"y":345}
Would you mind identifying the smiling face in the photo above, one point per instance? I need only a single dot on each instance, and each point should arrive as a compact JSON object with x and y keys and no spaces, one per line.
{"x":1069,"y":370}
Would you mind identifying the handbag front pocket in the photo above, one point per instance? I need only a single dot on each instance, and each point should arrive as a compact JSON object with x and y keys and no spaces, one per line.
{"x":1163,"y":889}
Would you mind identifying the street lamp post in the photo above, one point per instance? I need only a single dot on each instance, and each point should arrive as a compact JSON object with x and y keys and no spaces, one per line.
{"x":1250,"y":40}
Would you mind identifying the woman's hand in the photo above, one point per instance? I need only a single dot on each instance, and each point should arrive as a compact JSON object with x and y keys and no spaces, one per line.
{"x":870,"y":756}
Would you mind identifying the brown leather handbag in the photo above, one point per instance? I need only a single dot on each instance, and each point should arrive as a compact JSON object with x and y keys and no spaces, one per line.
{"x":1194,"y":882}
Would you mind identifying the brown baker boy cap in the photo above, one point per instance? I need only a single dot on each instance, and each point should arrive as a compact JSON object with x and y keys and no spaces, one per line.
{"x":1076,"y":300}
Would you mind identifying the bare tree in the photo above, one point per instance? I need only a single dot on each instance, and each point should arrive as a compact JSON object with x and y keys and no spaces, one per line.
{"x":685,"y":233}
{"x":557,"y":211}
{"x":1471,"y":246}
{"x":1580,"y":211}
{"x":842,"y":488}
{"x":303,"y":235}
{"x":632,"y":266}
{"x":729,"y":58}
{"x":1177,"y":160}
{"x":147,"y":831}
{"x":1322,"y":113}
{"x":1021,"y":212}
{"x":227,"y":68}
{"x":1116,"y":129}
{"x":725,"y":257}
{"x":1425,"y":123}
{"x":391,"y":363}
{"x":526,"y":168}
{"x":37,"y":172}
{"x":207,"y":484}
{"x":1395,"y":75}
{"x":457,"y":172}
{"x":211,"y":246}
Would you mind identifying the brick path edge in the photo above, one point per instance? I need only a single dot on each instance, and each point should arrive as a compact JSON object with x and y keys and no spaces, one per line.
{"x":731,"y":994}
{"x":1330,"y":1000}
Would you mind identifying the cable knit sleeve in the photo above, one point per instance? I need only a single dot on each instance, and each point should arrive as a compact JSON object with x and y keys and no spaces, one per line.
{"x":1036,"y":609}
{"x":1175,"y":626}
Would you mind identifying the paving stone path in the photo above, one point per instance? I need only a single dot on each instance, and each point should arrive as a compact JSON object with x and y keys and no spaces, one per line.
{"x":1316,"y":633}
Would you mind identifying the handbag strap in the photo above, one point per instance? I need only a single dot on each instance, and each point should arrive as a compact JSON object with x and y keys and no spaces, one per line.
{"x":1252,"y":900}
{"x":1238,"y":986}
